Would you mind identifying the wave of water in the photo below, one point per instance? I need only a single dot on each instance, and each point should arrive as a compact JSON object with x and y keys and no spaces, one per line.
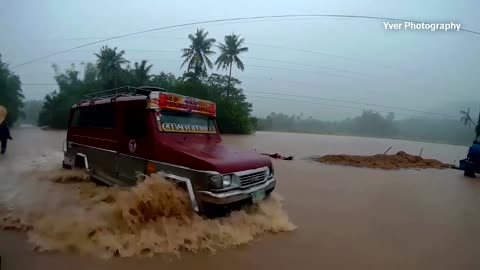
{"x":63,"y":211}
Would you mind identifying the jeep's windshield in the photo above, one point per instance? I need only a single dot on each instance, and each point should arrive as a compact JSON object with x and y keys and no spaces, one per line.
{"x":180,"y":122}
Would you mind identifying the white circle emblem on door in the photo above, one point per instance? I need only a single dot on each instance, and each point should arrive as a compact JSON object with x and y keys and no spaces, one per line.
{"x":132,"y":145}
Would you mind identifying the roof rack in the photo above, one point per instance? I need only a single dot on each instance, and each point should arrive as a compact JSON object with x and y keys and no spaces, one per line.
{"x":122,"y":91}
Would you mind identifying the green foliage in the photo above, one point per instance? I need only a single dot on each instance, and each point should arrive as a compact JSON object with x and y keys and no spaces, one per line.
{"x":72,"y":87}
{"x":229,"y":55}
{"x":109,"y":65}
{"x":196,"y":55}
{"x":229,"y":52}
{"x":163,"y":80}
{"x":11,"y":96}
{"x":140,"y":74}
{"x":233,"y":114}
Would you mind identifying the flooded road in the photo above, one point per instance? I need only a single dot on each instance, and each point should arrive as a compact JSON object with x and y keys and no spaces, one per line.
{"x":347,"y":218}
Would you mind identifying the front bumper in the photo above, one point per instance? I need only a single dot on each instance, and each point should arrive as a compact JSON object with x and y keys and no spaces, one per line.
{"x":235,"y":195}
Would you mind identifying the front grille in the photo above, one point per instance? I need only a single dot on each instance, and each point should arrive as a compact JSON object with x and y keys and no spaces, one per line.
{"x":253,"y":178}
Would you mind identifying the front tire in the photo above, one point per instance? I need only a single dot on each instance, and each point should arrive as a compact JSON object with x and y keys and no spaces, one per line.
{"x":211,"y":210}
{"x":66,"y":166}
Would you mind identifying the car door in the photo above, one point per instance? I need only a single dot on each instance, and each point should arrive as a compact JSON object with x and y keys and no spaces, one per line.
{"x":134,"y":143}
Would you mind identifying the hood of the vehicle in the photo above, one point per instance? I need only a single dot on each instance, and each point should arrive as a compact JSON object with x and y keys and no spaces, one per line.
{"x":221,"y":158}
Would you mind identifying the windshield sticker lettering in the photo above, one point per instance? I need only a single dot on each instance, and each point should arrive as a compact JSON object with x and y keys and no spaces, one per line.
{"x":187,"y":128}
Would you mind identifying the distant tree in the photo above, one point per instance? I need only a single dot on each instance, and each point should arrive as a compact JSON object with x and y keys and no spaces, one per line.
{"x":372,"y":123}
{"x":229,"y":55}
{"x":254,"y":121}
{"x":11,"y":95}
{"x":140,"y":73}
{"x":32,"y":109}
{"x":196,"y":55}
{"x":90,"y":73}
{"x":467,"y":120}
{"x":390,"y":116}
{"x":164,"y":80}
{"x":221,"y":83}
{"x":109,"y":65}
{"x":72,"y":88}
{"x":233,"y":115}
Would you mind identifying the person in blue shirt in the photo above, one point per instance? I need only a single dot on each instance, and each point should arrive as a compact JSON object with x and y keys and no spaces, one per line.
{"x":4,"y":136}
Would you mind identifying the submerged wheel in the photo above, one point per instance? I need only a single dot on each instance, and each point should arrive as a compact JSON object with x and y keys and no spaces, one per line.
{"x":268,"y":192}
{"x":469,"y":173}
{"x":66,"y":166}
{"x":213,"y":211}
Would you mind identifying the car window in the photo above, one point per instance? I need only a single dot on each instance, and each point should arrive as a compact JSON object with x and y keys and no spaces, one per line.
{"x":98,"y":116}
{"x":179,"y":122}
{"x":135,"y":122}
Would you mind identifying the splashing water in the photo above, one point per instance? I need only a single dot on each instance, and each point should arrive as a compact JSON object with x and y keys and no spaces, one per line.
{"x":153,"y":217}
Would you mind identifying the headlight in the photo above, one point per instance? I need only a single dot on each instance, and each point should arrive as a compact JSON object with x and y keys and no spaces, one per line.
{"x":222,"y":181}
{"x":270,"y":171}
{"x":216,"y":181}
{"x":227,"y":180}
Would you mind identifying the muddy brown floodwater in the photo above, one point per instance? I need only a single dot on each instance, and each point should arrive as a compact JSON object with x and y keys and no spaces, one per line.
{"x":347,"y":218}
{"x":400,"y":160}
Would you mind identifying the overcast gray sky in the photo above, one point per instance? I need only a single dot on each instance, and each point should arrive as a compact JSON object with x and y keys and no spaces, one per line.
{"x":345,"y":59}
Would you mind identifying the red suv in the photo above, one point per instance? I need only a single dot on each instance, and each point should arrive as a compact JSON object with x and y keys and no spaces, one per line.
{"x":121,"y":134}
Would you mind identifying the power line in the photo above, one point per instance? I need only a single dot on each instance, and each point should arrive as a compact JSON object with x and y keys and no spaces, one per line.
{"x":318,"y":70}
{"x":341,"y":106}
{"x":52,"y":84}
{"x":306,"y":65}
{"x":352,"y":102}
{"x":228,"y":20}
{"x":349,"y":58}
{"x":333,"y":69}
{"x":318,"y":98}
{"x":330,"y":71}
{"x":279,"y":61}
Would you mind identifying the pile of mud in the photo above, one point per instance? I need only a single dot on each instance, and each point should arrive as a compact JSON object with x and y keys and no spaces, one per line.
{"x":154,"y":217}
{"x":400,"y":160}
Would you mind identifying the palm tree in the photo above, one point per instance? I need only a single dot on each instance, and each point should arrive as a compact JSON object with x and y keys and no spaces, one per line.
{"x":466,"y":118}
{"x":229,"y":55}
{"x":196,"y":55}
{"x":140,"y":73}
{"x":109,"y":64}
{"x":468,"y":121}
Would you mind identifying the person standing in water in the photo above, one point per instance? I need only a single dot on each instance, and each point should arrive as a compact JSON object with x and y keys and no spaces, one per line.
{"x":4,"y":136}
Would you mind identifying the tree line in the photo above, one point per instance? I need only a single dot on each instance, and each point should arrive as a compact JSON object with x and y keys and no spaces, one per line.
{"x":11,"y":95}
{"x":113,"y":70}
{"x":373,"y":124}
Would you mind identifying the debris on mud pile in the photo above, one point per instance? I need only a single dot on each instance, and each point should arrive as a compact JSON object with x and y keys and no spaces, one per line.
{"x":400,"y":160}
